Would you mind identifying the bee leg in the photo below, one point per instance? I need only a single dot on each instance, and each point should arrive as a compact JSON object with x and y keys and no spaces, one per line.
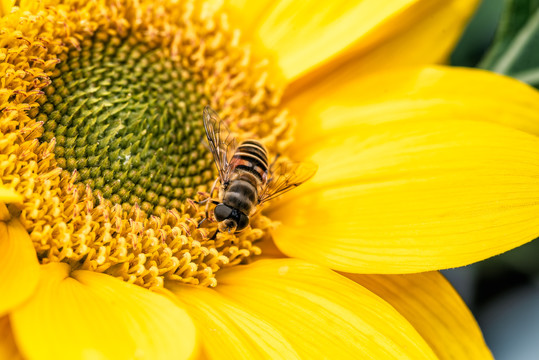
{"x":214,"y":235}
{"x":201,"y":222}
{"x":202,"y":202}
{"x":206,"y":211}
{"x":211,"y":193}
{"x":208,"y":200}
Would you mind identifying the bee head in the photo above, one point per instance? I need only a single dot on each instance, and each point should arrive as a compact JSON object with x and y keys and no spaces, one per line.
{"x":230,"y":219}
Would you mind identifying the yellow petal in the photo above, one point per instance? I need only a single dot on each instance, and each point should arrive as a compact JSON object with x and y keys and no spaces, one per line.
{"x":308,"y":36}
{"x":245,"y":14}
{"x":8,"y":348}
{"x":439,"y":93}
{"x":19,"y":268}
{"x":231,"y":331}
{"x":288,"y":308}
{"x":411,"y":196}
{"x":434,"y":308}
{"x":9,"y":195}
{"x":93,"y":315}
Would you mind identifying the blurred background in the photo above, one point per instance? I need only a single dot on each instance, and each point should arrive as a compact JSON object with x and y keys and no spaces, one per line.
{"x":503,"y":291}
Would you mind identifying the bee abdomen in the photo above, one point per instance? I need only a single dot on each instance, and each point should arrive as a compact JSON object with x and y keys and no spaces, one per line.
{"x":251,"y":156}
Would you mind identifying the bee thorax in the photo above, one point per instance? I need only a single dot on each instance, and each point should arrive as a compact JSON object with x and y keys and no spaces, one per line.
{"x":240,"y":195}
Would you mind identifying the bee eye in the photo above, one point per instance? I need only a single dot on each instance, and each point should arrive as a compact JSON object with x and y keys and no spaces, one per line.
{"x":222,"y":212}
{"x":243,"y":222}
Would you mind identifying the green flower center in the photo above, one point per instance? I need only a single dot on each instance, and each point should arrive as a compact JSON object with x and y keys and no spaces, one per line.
{"x":128,"y":119}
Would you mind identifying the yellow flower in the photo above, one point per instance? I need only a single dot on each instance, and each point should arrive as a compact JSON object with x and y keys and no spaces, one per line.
{"x":421,"y":168}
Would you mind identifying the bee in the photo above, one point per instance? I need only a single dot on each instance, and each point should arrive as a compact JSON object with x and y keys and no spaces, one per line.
{"x":246,"y":178}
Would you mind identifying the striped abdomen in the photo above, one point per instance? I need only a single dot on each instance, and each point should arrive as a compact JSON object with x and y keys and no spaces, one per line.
{"x":251,"y":156}
{"x":250,"y":167}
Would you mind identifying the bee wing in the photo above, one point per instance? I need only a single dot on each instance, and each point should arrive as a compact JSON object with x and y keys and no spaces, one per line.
{"x":289,"y":176}
{"x":221,"y":142}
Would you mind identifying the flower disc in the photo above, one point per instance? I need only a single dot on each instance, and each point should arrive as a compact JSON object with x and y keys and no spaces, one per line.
{"x":102,"y":111}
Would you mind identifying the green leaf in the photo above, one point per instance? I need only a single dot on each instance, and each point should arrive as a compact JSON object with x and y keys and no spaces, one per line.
{"x":478,"y":35}
{"x":515,"y":49}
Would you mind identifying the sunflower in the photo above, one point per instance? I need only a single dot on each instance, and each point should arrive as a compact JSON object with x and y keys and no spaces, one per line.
{"x":421,"y":168}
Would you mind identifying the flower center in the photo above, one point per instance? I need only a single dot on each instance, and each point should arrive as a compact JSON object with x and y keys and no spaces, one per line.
{"x":128,"y":119}
{"x":102,"y":111}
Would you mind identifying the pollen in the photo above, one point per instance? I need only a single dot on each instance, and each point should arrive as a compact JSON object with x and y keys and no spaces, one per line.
{"x":101,"y":133}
